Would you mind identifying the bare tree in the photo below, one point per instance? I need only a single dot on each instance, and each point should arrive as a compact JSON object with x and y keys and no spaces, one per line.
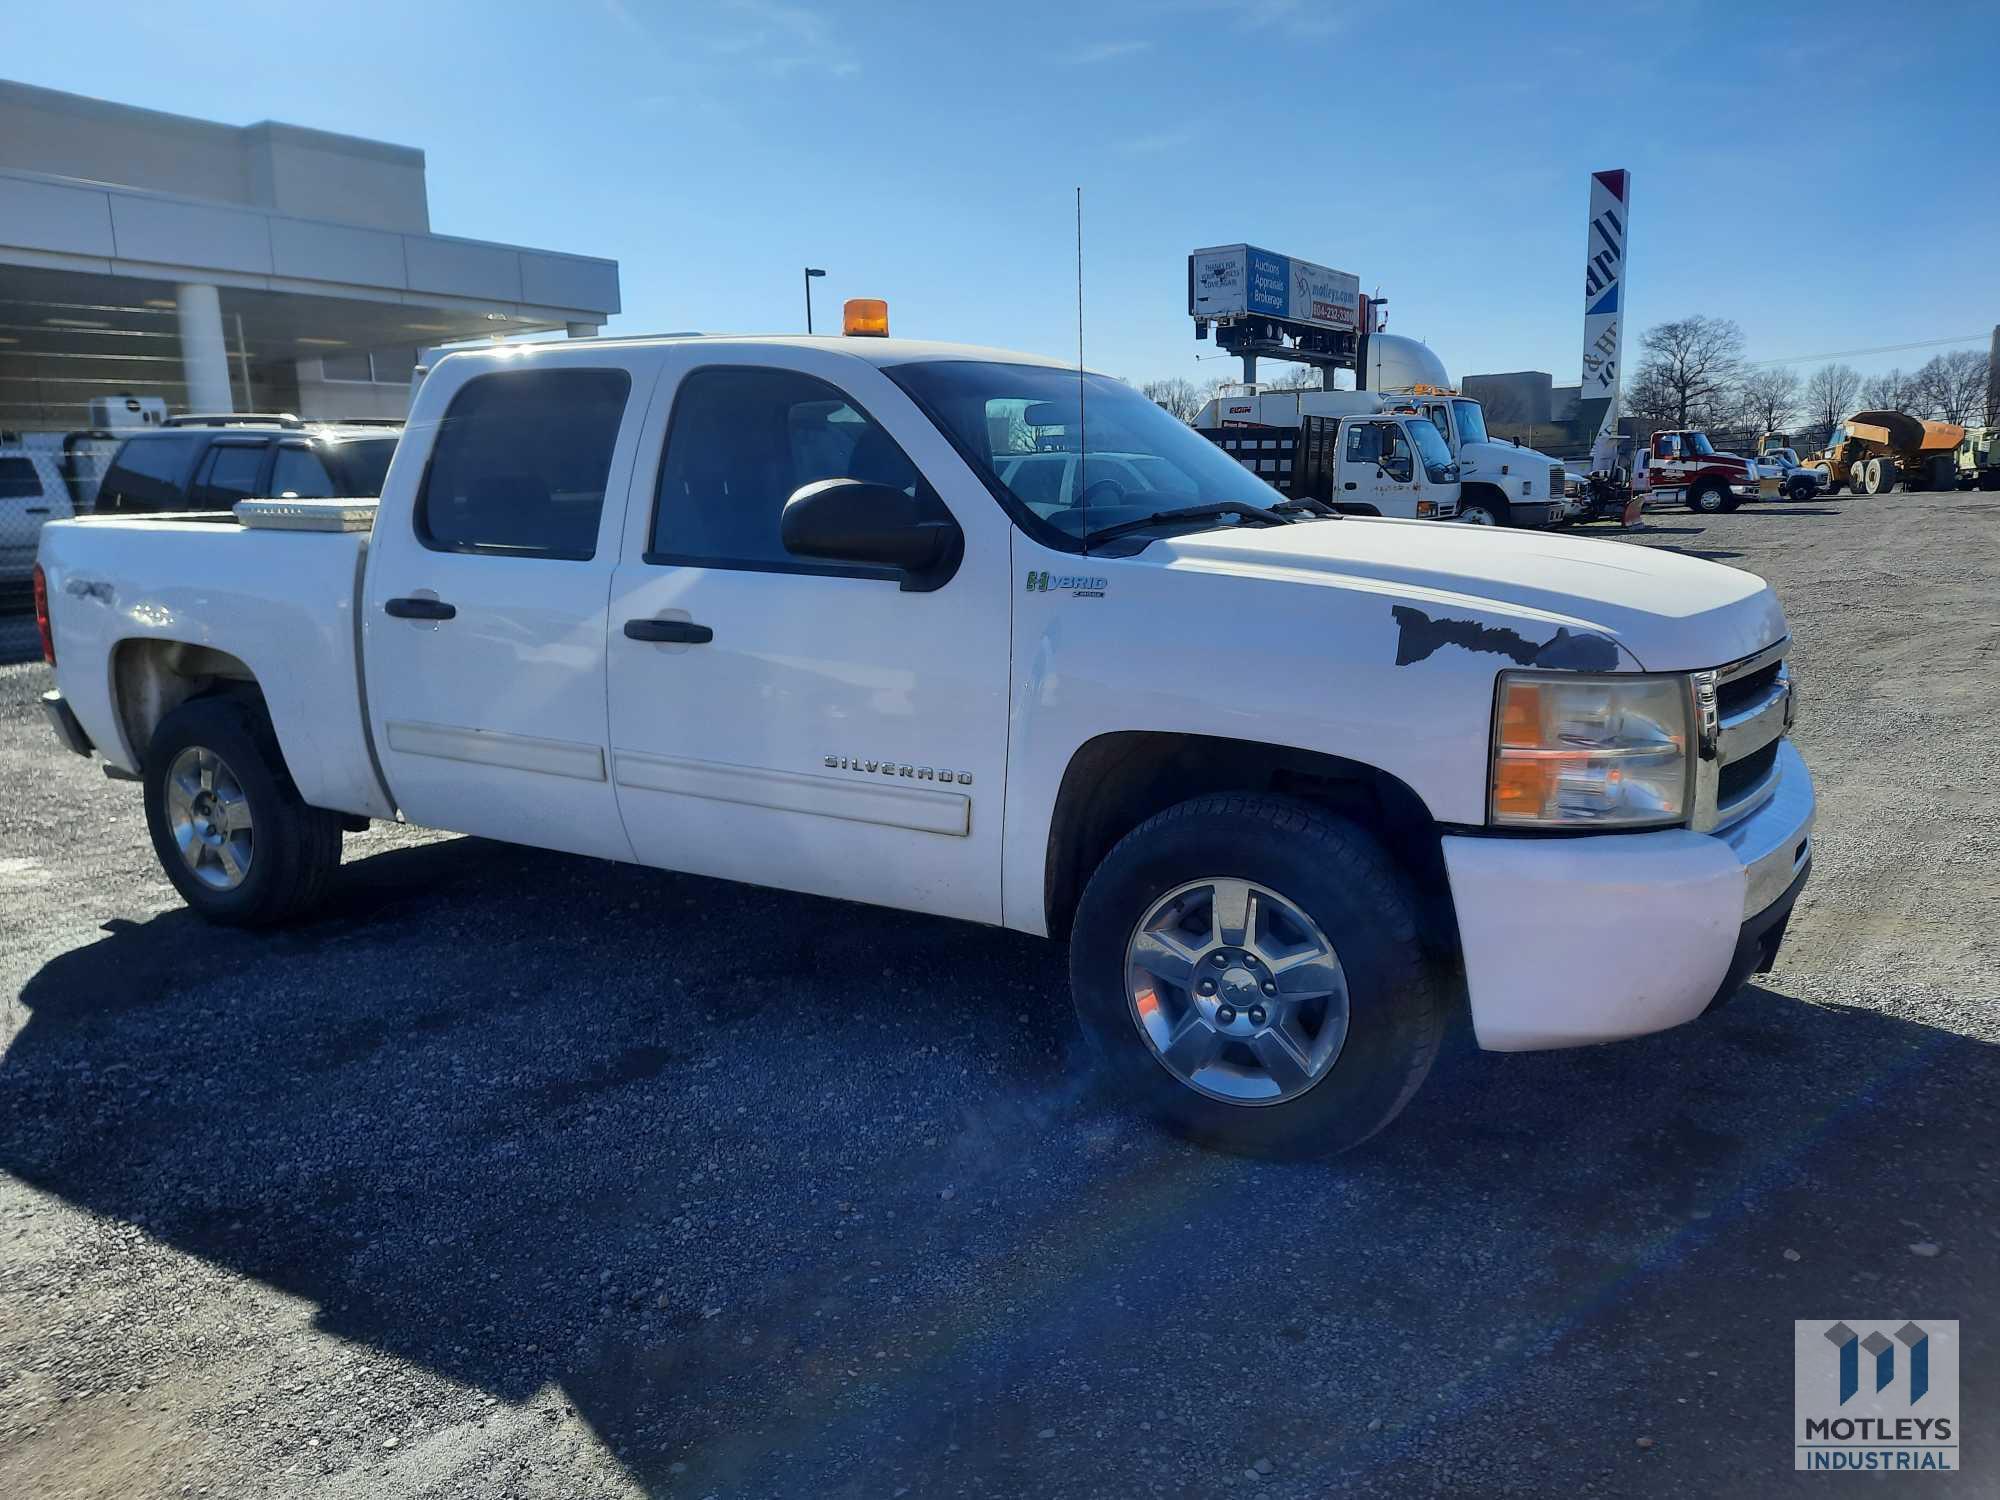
{"x":1770,"y":399}
{"x":1295,"y":378}
{"x":1830,"y":394}
{"x":1182,"y":398}
{"x":1892,"y":390}
{"x":1953,"y":386}
{"x":1689,"y":371}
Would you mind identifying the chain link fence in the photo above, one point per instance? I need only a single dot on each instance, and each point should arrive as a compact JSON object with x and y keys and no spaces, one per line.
{"x":44,"y":477}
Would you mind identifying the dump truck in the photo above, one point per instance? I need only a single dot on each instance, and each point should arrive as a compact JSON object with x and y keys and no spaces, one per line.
{"x":1872,"y":451}
{"x":1977,"y":461}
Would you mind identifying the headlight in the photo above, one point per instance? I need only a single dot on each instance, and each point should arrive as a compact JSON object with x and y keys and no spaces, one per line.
{"x":1576,"y":751}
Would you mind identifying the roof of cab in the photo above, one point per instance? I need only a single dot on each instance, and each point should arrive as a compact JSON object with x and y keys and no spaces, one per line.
{"x":876,"y":351}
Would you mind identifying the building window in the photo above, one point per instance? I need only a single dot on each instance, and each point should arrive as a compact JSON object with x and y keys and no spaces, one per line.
{"x":390,"y":367}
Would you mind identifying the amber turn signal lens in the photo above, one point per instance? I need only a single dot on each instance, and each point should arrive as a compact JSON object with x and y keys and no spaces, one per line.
{"x":1521,"y":714}
{"x":1521,"y":787}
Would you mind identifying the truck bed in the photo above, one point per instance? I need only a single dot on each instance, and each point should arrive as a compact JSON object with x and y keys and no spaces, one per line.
{"x":284,"y":602}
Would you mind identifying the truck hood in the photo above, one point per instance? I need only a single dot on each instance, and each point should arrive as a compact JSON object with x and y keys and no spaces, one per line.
{"x":1670,"y":613}
{"x":1490,"y":455}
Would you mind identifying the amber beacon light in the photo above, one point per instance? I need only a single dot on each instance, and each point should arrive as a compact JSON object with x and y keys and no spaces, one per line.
{"x":865,"y":317}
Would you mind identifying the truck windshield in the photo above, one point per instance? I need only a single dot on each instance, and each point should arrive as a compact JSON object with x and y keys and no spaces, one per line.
{"x":1123,"y":458}
{"x":1430,"y":445}
{"x":1699,"y":444}
{"x":1471,"y":421}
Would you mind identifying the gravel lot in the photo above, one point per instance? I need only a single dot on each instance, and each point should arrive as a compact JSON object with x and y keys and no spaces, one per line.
{"x":520,"y":1174}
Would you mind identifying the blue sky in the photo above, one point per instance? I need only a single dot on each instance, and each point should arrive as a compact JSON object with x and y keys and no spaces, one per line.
{"x":928,"y":153}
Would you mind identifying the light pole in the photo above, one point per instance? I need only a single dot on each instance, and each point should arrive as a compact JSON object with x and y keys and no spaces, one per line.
{"x":811,"y":271}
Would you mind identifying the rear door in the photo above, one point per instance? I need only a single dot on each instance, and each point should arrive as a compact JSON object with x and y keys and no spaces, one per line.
{"x":485,"y":604}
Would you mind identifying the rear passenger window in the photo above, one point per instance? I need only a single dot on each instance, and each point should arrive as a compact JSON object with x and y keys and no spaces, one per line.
{"x":150,"y":473}
{"x":299,"y":473}
{"x":740,"y":442}
{"x":520,"y":464}
{"x":229,"y":474}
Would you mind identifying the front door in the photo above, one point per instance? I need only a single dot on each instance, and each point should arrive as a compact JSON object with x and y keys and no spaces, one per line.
{"x":794,"y":723}
{"x":1378,"y":471}
{"x":485,"y":611}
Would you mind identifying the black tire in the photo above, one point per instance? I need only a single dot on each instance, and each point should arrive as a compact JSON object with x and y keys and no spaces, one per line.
{"x":1336,"y":873}
{"x":1710,"y":499}
{"x":1486,"y":503}
{"x":1990,"y":481}
{"x":296,"y":848}
{"x":1801,"y":488}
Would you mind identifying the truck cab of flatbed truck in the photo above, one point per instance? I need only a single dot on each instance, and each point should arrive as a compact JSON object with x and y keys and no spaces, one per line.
{"x":1294,"y":788}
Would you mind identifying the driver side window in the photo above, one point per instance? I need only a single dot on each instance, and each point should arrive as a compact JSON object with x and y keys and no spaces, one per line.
{"x":739,"y":442}
{"x":1396,"y":453}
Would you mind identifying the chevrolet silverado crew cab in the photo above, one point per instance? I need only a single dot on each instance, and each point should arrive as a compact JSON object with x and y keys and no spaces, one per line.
{"x":1293,"y":787}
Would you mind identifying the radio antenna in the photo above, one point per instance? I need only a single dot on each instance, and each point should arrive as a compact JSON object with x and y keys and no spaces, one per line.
{"x":1082,"y":432}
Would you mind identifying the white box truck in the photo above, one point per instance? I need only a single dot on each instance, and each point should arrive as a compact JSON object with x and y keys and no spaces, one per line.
{"x":1500,"y":484}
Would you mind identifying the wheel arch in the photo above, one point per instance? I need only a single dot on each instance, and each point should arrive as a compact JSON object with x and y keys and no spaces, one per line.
{"x":1486,"y":493}
{"x":151,"y":677}
{"x":1116,"y":781}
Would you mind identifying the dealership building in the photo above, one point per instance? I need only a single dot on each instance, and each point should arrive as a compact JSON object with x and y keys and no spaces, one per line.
{"x":221,"y":268}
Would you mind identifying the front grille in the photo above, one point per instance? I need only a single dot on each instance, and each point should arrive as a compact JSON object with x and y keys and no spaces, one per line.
{"x":1739,"y":778}
{"x":1733,"y":696}
{"x":1744,"y":708}
{"x":1556,"y":484}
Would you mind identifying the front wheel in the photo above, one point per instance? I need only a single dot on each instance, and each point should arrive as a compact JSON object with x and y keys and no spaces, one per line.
{"x":1709,"y":499}
{"x":228,"y":825}
{"x":1478,"y":513}
{"x":1249,"y":970}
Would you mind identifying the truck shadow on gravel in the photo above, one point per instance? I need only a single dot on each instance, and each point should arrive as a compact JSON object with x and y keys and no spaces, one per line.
{"x":808,"y":1196}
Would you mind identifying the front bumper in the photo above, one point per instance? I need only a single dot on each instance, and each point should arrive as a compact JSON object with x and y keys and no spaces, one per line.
{"x":1533,"y":513}
{"x":1569,"y":941}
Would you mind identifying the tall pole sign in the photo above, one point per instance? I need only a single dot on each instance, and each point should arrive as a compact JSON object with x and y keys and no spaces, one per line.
{"x":1603,"y":311}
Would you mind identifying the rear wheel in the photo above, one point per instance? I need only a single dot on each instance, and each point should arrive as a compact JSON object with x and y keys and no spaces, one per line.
{"x":227,"y":824}
{"x":1249,"y":970}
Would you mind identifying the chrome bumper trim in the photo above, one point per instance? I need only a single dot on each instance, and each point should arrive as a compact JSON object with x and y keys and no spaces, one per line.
{"x":1774,"y":843}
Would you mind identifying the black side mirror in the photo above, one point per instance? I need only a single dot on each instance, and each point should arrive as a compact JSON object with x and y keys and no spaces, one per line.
{"x":847,"y":520}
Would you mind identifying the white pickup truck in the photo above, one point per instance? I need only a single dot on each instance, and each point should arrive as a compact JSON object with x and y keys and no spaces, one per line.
{"x":1293,"y":787}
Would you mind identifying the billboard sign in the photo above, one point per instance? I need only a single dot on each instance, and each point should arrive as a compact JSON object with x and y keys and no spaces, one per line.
{"x":1237,"y":281}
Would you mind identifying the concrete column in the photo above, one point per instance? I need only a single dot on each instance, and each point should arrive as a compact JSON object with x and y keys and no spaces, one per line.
{"x":204,"y":355}
{"x":582,"y":330}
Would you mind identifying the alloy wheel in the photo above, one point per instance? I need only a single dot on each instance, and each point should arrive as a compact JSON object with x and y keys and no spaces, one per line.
{"x":208,"y":813}
{"x":1237,"y":991}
